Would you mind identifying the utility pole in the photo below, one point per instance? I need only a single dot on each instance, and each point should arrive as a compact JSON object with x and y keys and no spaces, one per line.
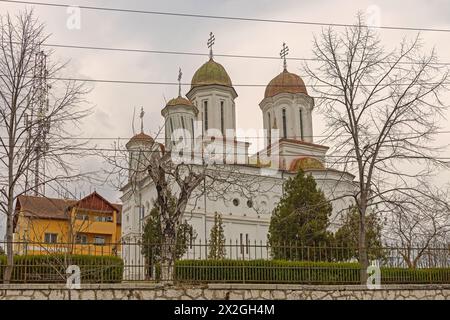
{"x":40,"y":104}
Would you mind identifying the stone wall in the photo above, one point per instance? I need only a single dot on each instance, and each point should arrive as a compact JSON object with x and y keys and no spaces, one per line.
{"x":138,"y":291}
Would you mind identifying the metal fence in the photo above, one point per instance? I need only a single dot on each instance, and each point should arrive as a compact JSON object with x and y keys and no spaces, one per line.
{"x":198,"y":262}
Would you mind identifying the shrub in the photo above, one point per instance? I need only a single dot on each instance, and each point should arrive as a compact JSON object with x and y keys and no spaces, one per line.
{"x":301,"y":272}
{"x":52,"y":268}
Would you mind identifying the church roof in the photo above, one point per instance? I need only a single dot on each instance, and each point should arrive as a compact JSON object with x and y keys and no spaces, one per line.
{"x":305,"y":163}
{"x":141,"y":137}
{"x":211,"y":73}
{"x":179,"y":101}
{"x":285,"y":82}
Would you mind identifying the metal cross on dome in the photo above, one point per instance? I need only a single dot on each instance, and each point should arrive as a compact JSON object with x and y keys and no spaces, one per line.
{"x":180,"y":74}
{"x":141,"y":115}
{"x":211,"y":41}
{"x":283,"y":53}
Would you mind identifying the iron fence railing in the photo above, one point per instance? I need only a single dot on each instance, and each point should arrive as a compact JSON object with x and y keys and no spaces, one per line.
{"x":299,"y":263}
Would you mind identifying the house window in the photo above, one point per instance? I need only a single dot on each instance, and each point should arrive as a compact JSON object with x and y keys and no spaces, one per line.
{"x":104,"y":219}
{"x":205,"y":112}
{"x":81,"y":239}
{"x":222,"y":120}
{"x":301,"y":124}
{"x":50,"y":237}
{"x":83,"y":217}
{"x":284,"y":124}
{"x":99,"y":240}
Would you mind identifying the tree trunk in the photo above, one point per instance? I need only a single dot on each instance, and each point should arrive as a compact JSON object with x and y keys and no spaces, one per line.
{"x":9,"y":245}
{"x":362,"y":247}
{"x":168,"y":248}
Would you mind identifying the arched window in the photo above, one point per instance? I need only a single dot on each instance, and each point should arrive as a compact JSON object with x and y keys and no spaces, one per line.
{"x":222,"y":119}
{"x":205,"y":112}
{"x":269,"y":129}
{"x":301,"y":124}
{"x":182,"y":123}
{"x":284,"y":124}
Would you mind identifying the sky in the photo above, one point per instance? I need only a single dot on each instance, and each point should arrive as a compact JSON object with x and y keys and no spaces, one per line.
{"x":113,"y":104}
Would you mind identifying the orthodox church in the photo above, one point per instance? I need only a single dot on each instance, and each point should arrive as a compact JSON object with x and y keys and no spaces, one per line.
{"x":209,"y":106}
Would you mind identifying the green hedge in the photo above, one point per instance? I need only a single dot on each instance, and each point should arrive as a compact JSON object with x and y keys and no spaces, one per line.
{"x":278,"y":271}
{"x":52,"y":268}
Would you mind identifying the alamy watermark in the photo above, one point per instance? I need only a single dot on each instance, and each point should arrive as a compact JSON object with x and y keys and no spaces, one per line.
{"x":374,"y":279}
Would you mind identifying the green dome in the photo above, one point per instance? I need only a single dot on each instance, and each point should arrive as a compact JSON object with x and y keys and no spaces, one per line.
{"x":179,"y":101}
{"x":211,"y":73}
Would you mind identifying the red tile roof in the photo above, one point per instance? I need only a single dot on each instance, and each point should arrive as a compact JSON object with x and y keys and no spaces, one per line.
{"x":53,"y":208}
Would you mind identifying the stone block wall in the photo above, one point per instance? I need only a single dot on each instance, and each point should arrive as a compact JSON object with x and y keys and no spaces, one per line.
{"x":133,"y":291}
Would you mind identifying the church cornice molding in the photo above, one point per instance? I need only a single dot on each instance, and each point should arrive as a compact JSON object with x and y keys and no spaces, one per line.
{"x":220,"y":88}
{"x":289,"y":98}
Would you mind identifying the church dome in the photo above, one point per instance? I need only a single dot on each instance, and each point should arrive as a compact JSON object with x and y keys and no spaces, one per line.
{"x":305,"y":163}
{"x":140,"y":138}
{"x":179,"y":101}
{"x":211,"y":73}
{"x":285,"y":82}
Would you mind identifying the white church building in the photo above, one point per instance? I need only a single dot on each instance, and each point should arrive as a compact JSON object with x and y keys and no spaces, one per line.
{"x":209,"y":109}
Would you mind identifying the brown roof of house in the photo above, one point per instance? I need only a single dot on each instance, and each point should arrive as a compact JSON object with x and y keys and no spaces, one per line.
{"x":53,"y":208}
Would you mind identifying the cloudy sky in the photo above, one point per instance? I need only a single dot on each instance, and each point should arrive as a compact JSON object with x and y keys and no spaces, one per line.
{"x":114,"y":103}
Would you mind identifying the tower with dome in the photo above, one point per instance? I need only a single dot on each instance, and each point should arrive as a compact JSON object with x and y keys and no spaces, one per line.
{"x":208,"y":110}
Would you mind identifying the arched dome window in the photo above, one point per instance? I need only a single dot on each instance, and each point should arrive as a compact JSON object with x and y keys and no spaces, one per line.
{"x":284,"y":124}
{"x":301,"y":124}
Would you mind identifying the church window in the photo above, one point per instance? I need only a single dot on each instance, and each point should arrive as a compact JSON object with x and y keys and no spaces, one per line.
{"x":222,"y":125}
{"x":182,"y":123}
{"x":250,"y":203}
{"x":205,"y":112}
{"x":269,"y":133}
{"x":301,"y":124}
{"x":247,"y":243}
{"x":284,"y":124}
{"x":171,"y":125}
{"x":241,"y":244}
{"x":236,"y":202}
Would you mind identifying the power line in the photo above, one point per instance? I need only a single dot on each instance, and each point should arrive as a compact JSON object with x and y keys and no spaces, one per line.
{"x":117,"y":81}
{"x":188,"y":53}
{"x":104,"y":149}
{"x":246,"y":137}
{"x":232,"y":18}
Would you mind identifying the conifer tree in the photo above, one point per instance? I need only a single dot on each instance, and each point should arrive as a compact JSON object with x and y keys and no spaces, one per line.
{"x":217,"y":239}
{"x":300,"y":220}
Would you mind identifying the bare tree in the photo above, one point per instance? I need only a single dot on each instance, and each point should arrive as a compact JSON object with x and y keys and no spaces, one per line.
{"x":179,"y":182}
{"x":382,"y":110}
{"x":421,"y":229}
{"x":38,"y":115}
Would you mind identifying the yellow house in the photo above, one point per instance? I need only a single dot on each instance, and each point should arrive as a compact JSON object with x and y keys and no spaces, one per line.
{"x":44,"y":225}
